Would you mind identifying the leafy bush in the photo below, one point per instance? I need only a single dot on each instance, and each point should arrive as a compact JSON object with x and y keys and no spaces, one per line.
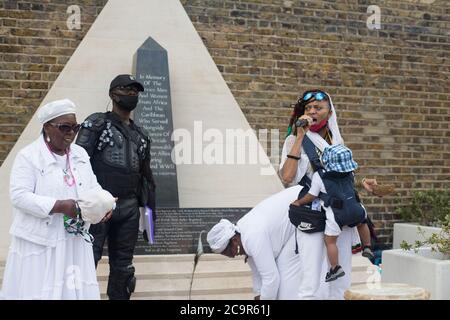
{"x":439,"y":242}
{"x":428,"y":208}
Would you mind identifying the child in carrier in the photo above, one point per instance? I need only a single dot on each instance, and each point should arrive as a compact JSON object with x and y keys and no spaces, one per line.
{"x":334,"y":186}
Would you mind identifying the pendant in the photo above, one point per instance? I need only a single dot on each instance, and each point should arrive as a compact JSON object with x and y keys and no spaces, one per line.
{"x":70,"y":181}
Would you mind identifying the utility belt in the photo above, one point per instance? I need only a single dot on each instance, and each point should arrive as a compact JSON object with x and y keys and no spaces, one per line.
{"x":304,"y":217}
{"x":307,"y":220}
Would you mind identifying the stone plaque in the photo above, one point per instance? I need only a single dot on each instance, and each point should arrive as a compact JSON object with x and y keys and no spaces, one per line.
{"x":178,"y":229}
{"x":154,"y":114}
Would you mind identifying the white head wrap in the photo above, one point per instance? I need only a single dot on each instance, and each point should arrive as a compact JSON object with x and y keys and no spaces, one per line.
{"x":55,"y":109}
{"x":320,"y":142}
{"x":219,"y":235}
{"x":95,"y":204}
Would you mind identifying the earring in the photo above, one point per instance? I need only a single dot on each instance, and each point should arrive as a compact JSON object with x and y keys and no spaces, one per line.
{"x":48,"y":139}
{"x":238,"y":249}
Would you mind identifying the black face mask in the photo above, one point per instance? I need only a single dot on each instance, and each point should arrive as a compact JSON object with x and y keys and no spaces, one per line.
{"x":127,"y":102}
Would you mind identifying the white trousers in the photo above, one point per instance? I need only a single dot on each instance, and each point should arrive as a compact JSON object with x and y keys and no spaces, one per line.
{"x":289,"y":270}
{"x":314,"y":266}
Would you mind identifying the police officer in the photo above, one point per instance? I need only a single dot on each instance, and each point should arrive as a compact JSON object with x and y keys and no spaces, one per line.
{"x":120,"y":158}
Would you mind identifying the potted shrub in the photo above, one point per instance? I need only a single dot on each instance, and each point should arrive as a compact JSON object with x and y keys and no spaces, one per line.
{"x":426,"y":266}
{"x":438,"y":242}
{"x":427,"y":209}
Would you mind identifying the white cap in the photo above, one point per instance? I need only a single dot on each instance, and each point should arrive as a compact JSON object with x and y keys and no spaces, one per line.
{"x":55,"y":109}
{"x":95,"y":204}
{"x":219,"y":235}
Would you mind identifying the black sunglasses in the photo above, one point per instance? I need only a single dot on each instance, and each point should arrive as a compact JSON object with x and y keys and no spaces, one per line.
{"x":66,"y":128}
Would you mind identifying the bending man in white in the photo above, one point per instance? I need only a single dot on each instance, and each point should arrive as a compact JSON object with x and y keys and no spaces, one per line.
{"x":266,"y":236}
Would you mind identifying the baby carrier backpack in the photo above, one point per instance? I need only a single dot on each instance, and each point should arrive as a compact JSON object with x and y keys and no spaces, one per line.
{"x":342,"y":198}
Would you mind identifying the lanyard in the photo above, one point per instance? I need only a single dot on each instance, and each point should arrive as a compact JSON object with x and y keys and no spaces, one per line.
{"x":69,"y":178}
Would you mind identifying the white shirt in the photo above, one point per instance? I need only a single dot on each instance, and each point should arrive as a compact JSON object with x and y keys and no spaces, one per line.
{"x":304,"y":165}
{"x":317,"y":185}
{"x":264,"y":231}
{"x":35,"y":185}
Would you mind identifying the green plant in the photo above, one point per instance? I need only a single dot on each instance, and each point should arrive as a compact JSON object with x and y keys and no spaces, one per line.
{"x":428,"y":208}
{"x":439,"y":242}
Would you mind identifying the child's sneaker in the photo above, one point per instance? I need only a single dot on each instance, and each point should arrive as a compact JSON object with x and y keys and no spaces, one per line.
{"x":335,"y":273}
{"x":367,"y":252}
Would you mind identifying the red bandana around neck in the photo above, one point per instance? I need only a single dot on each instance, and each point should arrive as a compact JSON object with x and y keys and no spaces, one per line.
{"x":318,"y":126}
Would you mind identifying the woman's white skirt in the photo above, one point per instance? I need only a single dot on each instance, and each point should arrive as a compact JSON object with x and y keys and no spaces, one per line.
{"x":64,"y":272}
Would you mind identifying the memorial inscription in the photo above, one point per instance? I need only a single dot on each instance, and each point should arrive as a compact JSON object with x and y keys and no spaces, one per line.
{"x":154,"y":114}
{"x":176,"y":229}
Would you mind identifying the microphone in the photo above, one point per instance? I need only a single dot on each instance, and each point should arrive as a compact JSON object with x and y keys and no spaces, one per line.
{"x":301,"y":123}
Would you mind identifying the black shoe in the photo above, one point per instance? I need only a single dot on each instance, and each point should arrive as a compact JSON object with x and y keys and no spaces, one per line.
{"x":335,"y":273}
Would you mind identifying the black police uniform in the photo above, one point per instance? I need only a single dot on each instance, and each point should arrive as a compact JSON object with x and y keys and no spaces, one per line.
{"x":120,"y":158}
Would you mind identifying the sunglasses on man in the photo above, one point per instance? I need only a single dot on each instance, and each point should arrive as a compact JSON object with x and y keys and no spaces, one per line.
{"x":66,"y":128}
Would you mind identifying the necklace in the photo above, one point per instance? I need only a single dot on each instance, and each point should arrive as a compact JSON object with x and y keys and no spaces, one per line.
{"x":68,"y":177}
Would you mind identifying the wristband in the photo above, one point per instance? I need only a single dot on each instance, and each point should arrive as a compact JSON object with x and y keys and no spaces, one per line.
{"x":293,"y":157}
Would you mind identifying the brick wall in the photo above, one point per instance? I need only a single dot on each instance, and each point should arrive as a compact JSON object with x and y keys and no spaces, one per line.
{"x":390,"y":86}
{"x":35,"y":44}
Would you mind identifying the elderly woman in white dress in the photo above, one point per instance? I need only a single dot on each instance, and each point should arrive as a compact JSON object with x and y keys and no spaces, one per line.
{"x":50,"y":255}
{"x":266,"y":237}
